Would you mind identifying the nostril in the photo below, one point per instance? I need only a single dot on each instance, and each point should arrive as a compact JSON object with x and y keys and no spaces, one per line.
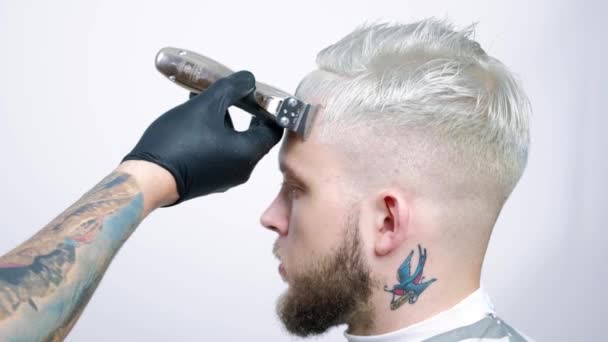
{"x":266,"y":223}
{"x":270,"y":225}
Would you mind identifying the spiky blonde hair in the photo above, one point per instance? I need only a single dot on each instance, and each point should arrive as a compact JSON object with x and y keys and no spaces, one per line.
{"x":431,"y":96}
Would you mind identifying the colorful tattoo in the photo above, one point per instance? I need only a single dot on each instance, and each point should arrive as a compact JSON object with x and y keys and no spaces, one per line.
{"x":410,"y":285}
{"x":46,"y":282}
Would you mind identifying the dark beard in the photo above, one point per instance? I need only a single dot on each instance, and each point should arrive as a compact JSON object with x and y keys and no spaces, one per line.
{"x":335,"y":291}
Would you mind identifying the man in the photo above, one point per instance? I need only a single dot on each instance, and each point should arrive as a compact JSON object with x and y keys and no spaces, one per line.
{"x":387,"y":208}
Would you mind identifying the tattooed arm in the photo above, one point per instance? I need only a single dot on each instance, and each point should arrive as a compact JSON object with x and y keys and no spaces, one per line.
{"x":190,"y":151}
{"x":46,"y":282}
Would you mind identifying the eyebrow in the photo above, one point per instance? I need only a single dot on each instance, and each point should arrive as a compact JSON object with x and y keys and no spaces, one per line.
{"x":289,"y":171}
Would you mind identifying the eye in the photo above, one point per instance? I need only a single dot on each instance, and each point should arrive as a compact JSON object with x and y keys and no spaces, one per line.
{"x":290,"y":189}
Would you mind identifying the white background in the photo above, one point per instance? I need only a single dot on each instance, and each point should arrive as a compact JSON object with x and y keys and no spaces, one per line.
{"x":78,"y":87}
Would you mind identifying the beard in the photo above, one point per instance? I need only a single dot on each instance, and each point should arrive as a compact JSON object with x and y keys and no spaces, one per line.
{"x":335,"y":290}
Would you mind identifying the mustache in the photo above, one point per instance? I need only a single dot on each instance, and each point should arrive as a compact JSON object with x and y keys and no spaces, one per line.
{"x":276,"y":249}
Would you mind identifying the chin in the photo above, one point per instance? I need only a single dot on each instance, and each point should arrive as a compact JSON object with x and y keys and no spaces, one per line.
{"x":329,"y":292}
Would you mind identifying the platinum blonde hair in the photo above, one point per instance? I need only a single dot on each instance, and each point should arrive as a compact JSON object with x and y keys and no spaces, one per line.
{"x":429,"y":98}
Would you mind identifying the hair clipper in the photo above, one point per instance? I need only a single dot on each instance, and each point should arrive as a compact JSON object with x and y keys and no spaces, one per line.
{"x":196,"y":73}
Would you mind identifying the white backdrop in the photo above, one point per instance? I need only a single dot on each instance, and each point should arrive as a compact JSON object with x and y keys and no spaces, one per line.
{"x":78,"y":87}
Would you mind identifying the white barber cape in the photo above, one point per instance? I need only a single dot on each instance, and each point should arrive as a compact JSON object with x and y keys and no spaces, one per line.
{"x":471,"y":320}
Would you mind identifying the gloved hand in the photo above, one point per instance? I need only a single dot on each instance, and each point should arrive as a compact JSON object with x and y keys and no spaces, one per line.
{"x":196,"y":141}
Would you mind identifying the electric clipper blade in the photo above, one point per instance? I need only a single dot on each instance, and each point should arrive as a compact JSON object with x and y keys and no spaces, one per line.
{"x":196,"y":73}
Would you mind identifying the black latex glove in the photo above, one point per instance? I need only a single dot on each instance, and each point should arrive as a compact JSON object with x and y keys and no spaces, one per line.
{"x":196,"y":141}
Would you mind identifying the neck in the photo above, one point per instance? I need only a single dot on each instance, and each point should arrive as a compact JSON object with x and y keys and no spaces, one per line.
{"x":447,"y":290}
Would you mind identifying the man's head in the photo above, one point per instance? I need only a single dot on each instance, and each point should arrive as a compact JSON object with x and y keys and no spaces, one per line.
{"x":421,"y":138}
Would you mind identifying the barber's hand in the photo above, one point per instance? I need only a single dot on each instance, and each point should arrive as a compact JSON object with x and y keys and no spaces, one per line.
{"x":196,"y":141}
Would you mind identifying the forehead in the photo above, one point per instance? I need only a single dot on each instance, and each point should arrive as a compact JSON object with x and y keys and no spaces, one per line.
{"x":308,"y":159}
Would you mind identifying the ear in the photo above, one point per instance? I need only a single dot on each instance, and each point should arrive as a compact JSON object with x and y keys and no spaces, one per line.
{"x":392,"y":214}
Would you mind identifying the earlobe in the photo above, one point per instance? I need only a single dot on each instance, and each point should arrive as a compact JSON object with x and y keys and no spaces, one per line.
{"x":392,"y":223}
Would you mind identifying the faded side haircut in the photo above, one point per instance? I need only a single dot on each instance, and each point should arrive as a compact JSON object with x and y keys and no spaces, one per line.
{"x":426,"y":99}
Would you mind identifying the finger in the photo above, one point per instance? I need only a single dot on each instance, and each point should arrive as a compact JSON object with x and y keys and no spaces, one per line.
{"x":215,"y":101}
{"x":229,"y":90}
{"x":262,"y":135}
{"x":228,"y":121}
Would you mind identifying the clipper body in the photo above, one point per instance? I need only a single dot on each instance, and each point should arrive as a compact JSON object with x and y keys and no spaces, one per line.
{"x":196,"y":73}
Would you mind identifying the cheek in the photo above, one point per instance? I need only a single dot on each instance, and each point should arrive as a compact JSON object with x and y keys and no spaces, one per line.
{"x":315,"y":227}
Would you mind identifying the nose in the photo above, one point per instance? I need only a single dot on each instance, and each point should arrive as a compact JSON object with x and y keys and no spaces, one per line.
{"x":276,"y":216}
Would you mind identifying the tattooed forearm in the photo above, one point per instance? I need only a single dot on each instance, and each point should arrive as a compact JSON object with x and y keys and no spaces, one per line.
{"x":46,"y":282}
{"x":19,"y":285}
